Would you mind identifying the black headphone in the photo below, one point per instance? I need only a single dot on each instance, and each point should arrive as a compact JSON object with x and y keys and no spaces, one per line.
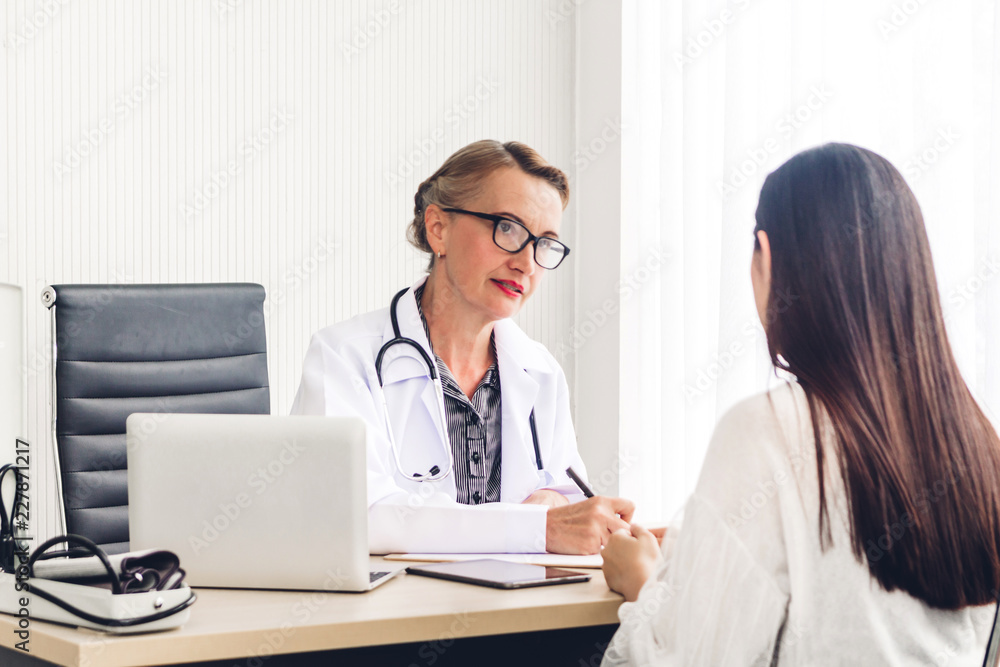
{"x":9,"y":549}
{"x":8,"y":544}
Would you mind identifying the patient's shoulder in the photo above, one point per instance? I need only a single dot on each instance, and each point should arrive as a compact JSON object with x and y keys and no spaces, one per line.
{"x":767,"y":414}
{"x":763,"y":432}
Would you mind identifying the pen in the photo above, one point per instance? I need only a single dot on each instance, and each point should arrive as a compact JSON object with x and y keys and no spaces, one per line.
{"x":587,"y":491}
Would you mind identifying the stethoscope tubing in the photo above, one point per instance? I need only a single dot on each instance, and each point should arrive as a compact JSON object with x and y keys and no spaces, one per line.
{"x":435,"y":474}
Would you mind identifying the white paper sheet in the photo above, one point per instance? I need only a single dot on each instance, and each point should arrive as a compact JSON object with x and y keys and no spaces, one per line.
{"x":550,"y":560}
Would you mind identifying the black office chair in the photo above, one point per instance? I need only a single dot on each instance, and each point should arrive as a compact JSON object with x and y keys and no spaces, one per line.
{"x":120,"y":349}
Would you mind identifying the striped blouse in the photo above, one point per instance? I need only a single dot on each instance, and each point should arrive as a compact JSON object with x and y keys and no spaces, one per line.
{"x":473,"y":427}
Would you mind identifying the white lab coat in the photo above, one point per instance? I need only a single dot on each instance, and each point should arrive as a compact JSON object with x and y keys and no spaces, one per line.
{"x":339,"y":379}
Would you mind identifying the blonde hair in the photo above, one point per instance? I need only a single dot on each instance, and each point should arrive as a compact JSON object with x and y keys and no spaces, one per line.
{"x":461,"y":176}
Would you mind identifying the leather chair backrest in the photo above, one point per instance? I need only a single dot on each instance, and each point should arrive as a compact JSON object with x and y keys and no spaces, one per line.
{"x":144,"y":348}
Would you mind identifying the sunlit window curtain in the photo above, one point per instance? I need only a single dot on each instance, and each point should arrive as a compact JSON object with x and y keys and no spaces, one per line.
{"x":716,"y":95}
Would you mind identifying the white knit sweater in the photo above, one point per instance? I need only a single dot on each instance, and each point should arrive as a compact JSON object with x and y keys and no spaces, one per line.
{"x":745,"y":581}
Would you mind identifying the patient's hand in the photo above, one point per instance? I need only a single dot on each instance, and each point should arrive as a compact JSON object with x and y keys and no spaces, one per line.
{"x":629,"y":559}
{"x":546,"y":497}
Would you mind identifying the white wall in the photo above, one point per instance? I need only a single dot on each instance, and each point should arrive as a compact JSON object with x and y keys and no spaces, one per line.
{"x":259,"y":140}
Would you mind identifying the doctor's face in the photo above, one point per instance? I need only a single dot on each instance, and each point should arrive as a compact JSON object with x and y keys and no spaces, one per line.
{"x":487,"y":278}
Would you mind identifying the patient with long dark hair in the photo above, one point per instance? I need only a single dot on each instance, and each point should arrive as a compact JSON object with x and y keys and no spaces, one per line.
{"x":851,"y":516}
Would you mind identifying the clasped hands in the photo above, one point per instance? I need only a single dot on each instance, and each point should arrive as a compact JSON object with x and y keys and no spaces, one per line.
{"x":629,"y":551}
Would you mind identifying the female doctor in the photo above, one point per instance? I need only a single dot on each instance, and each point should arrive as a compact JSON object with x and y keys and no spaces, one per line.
{"x":468,"y":419}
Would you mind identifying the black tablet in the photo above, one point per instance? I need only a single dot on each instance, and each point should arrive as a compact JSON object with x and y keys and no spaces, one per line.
{"x":498,"y":573}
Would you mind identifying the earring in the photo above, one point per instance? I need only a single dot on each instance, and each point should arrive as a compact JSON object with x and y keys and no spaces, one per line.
{"x":440,"y":255}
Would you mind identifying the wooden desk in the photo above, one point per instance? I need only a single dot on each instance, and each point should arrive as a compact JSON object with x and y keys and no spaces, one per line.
{"x":241,"y":624}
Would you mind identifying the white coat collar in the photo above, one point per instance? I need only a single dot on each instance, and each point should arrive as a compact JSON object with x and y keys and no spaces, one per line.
{"x":402,"y":362}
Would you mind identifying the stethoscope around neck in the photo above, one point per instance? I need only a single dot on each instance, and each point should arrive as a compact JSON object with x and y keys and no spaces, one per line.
{"x":435,"y":473}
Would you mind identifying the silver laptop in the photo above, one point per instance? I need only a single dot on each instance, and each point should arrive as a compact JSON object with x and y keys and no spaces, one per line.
{"x":253,"y":501}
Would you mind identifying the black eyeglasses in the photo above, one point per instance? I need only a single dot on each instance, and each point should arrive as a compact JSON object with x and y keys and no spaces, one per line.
{"x":512,"y":236}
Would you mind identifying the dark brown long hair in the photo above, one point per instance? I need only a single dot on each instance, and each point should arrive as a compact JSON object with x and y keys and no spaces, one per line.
{"x":866,"y":340}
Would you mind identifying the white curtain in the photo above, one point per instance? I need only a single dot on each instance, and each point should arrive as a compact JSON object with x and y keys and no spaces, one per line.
{"x":719,"y":94}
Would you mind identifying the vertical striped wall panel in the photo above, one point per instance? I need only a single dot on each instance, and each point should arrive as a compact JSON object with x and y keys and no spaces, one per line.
{"x":258,"y":140}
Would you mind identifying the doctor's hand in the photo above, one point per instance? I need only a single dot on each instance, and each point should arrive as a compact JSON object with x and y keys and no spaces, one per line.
{"x":629,"y":559}
{"x":582,"y":528}
{"x":546,"y":497}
